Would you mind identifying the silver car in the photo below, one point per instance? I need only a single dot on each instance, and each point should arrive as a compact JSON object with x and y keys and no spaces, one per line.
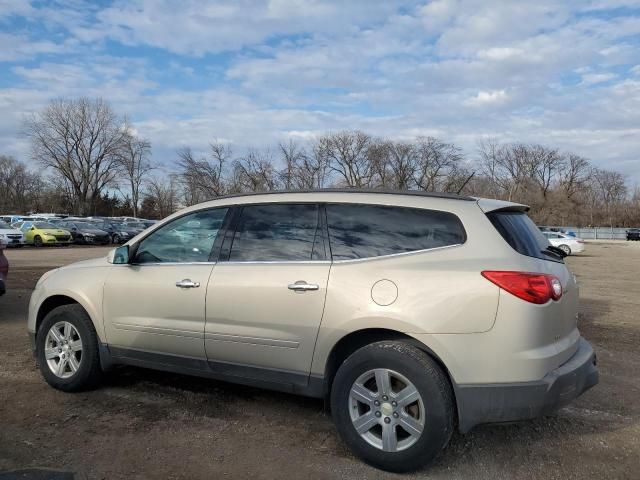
{"x":412,"y":314}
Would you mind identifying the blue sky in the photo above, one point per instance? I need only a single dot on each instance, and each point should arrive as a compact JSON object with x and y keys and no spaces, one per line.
{"x":252,"y":73}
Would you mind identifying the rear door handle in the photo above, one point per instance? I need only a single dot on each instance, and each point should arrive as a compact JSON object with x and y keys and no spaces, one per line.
{"x":302,"y":286}
{"x":186,"y":283}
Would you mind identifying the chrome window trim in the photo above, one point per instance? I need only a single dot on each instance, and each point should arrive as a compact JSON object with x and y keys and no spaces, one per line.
{"x":269,"y":262}
{"x":169,"y":264}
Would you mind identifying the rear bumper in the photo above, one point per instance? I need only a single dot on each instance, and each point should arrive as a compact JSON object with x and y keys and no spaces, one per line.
{"x":496,"y":403}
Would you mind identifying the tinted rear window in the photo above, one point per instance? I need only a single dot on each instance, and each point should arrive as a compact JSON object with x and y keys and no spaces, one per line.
{"x":522,"y":234}
{"x":364,"y":231}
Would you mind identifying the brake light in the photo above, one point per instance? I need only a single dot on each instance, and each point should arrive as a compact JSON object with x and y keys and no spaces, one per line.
{"x":536,"y":288}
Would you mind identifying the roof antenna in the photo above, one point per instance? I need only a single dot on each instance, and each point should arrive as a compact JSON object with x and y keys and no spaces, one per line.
{"x":465,"y":182}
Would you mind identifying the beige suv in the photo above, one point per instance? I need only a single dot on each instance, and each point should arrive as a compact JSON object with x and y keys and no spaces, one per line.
{"x":411,"y":314}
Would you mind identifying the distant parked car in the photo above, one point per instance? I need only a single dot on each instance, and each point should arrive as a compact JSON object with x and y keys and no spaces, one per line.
{"x":137,"y":226}
{"x":86,"y":233}
{"x":43,"y":233}
{"x":118,"y":232}
{"x":633,"y":234}
{"x":567,"y":243}
{"x":4,"y":267}
{"x":12,"y":236}
{"x":11,"y":218}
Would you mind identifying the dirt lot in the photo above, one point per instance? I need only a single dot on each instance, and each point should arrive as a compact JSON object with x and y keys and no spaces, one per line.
{"x":144,"y":424}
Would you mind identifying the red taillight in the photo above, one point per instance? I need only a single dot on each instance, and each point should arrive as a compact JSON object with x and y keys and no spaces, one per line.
{"x":536,"y":288}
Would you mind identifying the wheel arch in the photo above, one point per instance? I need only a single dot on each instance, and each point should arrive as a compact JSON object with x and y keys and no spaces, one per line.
{"x":52,"y":302}
{"x":360,"y":338}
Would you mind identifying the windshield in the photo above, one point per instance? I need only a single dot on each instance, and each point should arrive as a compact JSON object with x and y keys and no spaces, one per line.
{"x":4,"y":225}
{"x":43,"y":225}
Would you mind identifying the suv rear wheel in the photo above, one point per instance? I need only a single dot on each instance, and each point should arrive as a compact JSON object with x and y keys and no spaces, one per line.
{"x":67,"y":349}
{"x":393,"y":406}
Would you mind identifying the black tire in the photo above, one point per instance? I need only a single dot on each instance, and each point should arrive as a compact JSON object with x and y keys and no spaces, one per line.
{"x":37,"y":241}
{"x":566,"y":249}
{"x":89,"y":371}
{"x":432,"y":385}
{"x":116,"y":239}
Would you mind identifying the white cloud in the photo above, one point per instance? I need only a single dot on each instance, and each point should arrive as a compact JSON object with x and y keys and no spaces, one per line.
{"x":459,"y":69}
{"x":482,"y":99}
{"x":595,"y":78}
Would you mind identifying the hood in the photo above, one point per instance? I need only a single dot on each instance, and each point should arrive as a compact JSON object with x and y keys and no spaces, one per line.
{"x":53,"y":231}
{"x":93,"y":262}
{"x":10,"y":231}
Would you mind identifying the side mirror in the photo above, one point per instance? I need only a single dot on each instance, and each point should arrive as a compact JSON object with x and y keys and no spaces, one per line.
{"x":32,"y":228}
{"x":119,"y":256}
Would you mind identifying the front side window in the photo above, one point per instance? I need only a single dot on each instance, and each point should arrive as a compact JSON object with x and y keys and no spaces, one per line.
{"x":365,"y":231}
{"x":187,"y":239}
{"x":277,"y":232}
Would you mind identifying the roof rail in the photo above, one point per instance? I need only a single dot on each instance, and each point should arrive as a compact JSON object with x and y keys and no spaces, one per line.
{"x":452,"y":196}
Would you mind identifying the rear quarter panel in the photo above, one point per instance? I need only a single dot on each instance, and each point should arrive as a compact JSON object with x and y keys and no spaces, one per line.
{"x":439,"y":291}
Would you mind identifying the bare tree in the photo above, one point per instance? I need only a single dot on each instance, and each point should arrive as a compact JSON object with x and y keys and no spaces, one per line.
{"x":574,"y":174}
{"x":203,"y":178}
{"x":402,"y":163}
{"x":20,"y":189}
{"x":611,"y":189}
{"x":255,"y":172}
{"x":435,"y":162}
{"x":346,"y":154}
{"x":136,"y":164}
{"x":82,"y":141}
{"x":162,"y":196}
{"x":544,"y":165}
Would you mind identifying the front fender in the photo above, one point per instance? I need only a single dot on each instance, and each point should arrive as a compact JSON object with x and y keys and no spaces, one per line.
{"x":83,"y":285}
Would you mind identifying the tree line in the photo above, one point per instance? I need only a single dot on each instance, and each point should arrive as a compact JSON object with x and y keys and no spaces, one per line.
{"x":93,"y":162}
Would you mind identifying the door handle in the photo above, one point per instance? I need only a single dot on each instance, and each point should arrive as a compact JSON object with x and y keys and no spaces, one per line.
{"x":302,"y":286}
{"x":186,"y":283}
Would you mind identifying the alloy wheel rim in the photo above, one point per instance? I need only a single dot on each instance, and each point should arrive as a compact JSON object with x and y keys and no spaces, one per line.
{"x":63,"y":349}
{"x":386,"y":410}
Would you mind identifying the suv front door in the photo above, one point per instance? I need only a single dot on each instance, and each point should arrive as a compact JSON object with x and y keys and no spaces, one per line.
{"x":156,"y":303}
{"x":266,"y":297}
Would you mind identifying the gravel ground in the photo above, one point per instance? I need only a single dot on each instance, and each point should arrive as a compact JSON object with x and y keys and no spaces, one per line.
{"x":145,"y":424}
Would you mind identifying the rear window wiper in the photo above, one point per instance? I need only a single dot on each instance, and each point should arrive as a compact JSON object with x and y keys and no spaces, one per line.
{"x":554,"y":252}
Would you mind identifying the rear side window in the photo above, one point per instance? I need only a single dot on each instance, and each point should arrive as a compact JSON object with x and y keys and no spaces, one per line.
{"x":277,"y":232}
{"x":365,"y":231}
{"x":521,"y":233}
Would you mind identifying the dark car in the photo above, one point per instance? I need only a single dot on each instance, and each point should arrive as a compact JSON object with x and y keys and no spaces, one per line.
{"x":137,"y":226}
{"x":86,"y":233}
{"x":4,"y":267}
{"x":633,"y":234}
{"x":118,"y":232}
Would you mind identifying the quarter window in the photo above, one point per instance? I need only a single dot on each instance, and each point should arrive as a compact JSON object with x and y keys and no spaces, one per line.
{"x":364,"y":231}
{"x":277,"y":232}
{"x":187,"y":239}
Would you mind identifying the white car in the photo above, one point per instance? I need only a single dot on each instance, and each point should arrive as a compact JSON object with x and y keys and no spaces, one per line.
{"x":567,"y":243}
{"x":11,"y":236}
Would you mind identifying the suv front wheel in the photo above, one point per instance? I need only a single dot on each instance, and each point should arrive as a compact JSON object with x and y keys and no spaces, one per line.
{"x":393,"y":406}
{"x":67,"y":349}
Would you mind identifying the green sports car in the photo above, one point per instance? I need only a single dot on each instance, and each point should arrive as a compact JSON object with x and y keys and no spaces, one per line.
{"x":43,"y":233}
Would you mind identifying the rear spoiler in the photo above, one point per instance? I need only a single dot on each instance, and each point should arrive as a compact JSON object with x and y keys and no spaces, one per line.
{"x":491,"y":205}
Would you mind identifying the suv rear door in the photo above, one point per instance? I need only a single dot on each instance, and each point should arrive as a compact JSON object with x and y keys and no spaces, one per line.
{"x":266,"y":296}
